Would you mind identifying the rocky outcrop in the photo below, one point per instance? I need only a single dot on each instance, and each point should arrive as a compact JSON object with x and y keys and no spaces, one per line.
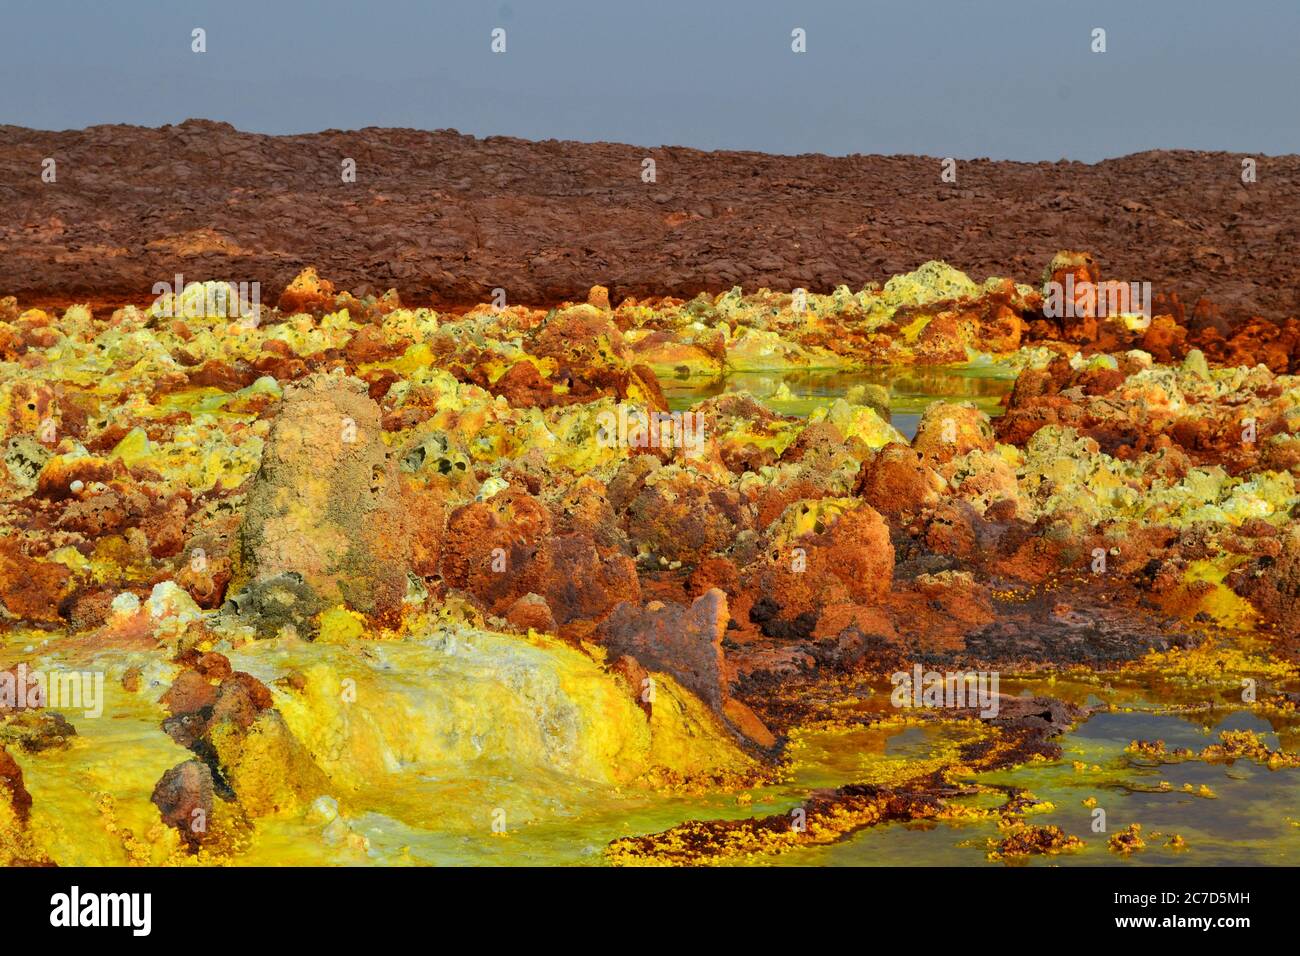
{"x":12,"y":789}
{"x":324,"y":521}
{"x":184,"y":796}
{"x":897,"y":480}
{"x":245,"y":752}
{"x":686,"y":643}
{"x":819,"y":553}
{"x":17,"y":845}
{"x":29,"y":587}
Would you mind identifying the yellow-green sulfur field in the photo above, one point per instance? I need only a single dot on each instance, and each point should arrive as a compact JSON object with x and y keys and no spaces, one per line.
{"x":350,"y":582}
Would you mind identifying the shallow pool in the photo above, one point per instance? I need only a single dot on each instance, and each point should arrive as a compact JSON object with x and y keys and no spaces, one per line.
{"x":911,"y":389}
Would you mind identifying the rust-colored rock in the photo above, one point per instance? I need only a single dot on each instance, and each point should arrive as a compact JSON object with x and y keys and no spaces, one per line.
{"x":184,"y":797}
{"x":531,"y":612}
{"x":685,"y":642}
{"x":584,"y":581}
{"x":1074,"y":278}
{"x":947,"y":431}
{"x":190,"y":693}
{"x":239,"y":700}
{"x":492,"y":548}
{"x":12,"y":788}
{"x":308,"y":292}
{"x":896,"y":480}
{"x":29,"y":587}
{"x":849,"y":560}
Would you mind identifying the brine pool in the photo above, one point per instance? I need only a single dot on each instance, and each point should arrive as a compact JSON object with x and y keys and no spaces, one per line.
{"x":911,"y":389}
{"x":1248,"y":815}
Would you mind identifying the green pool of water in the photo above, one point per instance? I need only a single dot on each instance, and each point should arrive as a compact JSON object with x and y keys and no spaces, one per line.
{"x":1252,"y":819}
{"x":911,"y":389}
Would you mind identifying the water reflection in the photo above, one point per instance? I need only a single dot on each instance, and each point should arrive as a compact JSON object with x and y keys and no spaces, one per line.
{"x":1247,"y":815}
{"x":911,"y":389}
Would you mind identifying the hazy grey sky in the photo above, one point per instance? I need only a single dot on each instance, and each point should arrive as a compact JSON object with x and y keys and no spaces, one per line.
{"x":1002,"y":78}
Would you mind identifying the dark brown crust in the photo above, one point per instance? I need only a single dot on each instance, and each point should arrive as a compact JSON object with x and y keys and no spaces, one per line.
{"x":446,"y":218}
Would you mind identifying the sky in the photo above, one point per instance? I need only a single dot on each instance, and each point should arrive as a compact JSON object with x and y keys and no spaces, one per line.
{"x":1003,"y":79}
